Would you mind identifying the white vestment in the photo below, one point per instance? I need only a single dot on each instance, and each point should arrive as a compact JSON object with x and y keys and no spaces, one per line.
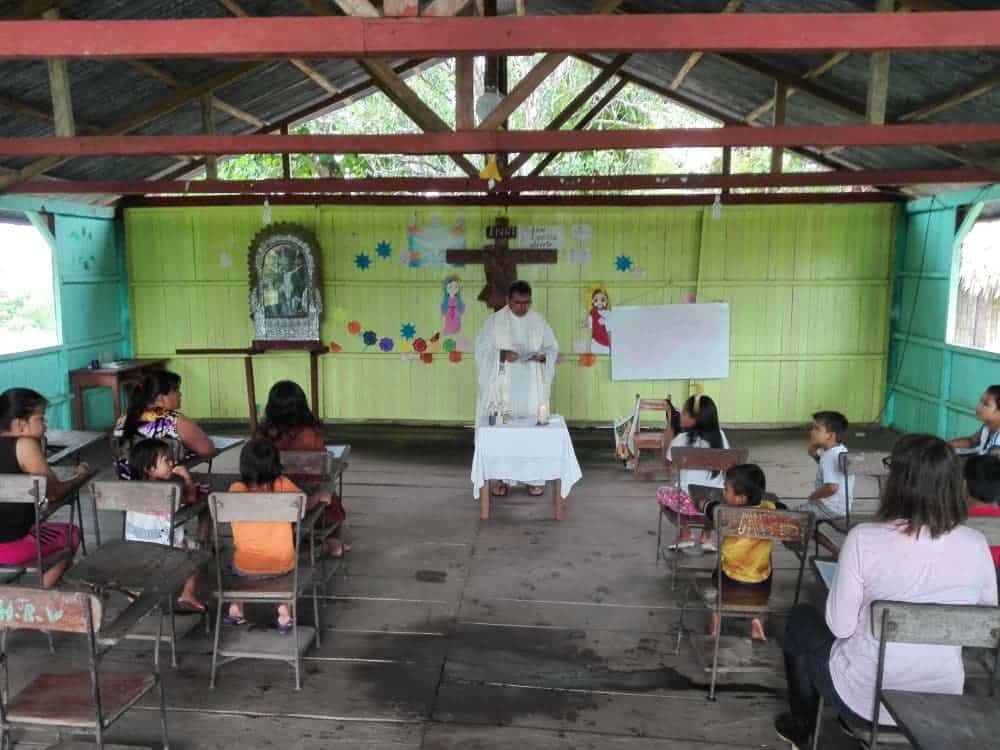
{"x":515,"y":387}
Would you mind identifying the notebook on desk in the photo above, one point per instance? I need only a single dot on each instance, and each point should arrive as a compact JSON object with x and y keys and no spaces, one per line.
{"x":827,"y":570}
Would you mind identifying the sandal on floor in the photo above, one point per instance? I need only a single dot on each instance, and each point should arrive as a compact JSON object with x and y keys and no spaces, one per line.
{"x":188,"y":608}
{"x":536,"y":491}
{"x":234,"y":620}
{"x":499,"y":489}
{"x":284,"y":628}
{"x":683,"y":544}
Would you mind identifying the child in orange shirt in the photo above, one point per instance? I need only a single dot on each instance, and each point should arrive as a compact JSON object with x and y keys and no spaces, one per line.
{"x":264,"y":549}
{"x":745,"y":562}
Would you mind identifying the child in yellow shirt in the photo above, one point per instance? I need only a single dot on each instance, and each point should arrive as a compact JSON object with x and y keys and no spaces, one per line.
{"x":745,"y":562}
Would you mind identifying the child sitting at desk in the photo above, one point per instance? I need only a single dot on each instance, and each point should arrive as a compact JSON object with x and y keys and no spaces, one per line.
{"x":152,"y":460}
{"x":746,"y":563}
{"x":264,"y":549}
{"x":290,"y":424}
{"x":829,"y":501}
{"x":987,"y":439}
{"x":982,"y":490}
{"x":700,"y":425}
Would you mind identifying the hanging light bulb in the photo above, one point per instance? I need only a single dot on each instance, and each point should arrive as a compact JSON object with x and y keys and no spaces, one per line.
{"x":267,"y":212}
{"x":717,"y":207}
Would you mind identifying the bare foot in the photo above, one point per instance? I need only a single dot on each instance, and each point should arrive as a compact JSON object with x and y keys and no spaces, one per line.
{"x":335,"y":547}
{"x":757,"y":630}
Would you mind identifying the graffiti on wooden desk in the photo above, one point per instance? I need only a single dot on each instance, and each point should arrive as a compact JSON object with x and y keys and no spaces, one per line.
{"x":760,"y":524}
{"x":45,"y":610}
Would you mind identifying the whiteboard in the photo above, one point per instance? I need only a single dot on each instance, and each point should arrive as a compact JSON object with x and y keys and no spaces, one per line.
{"x":670,"y":342}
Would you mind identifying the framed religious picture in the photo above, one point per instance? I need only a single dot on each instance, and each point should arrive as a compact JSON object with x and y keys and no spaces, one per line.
{"x":285,"y":298}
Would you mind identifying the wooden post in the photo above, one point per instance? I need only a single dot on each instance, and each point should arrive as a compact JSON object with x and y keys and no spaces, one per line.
{"x":780,"y":99}
{"x":251,"y":392}
{"x":208,"y":128}
{"x":878,"y":82}
{"x":59,"y":86}
{"x":464,"y":93}
{"x":727,"y":163}
{"x":286,"y":159}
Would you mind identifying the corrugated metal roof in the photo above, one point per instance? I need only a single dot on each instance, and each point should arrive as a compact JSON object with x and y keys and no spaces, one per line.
{"x":107,"y":93}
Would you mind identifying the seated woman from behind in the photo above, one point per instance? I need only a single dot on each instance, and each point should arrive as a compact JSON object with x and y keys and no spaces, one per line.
{"x":918,"y":551}
{"x":22,"y":426}
{"x":746,"y":563}
{"x":291,"y":426}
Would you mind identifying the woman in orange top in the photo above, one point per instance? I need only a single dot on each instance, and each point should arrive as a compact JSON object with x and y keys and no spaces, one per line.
{"x":746,"y":563}
{"x":291,"y":426}
{"x":264,"y":549}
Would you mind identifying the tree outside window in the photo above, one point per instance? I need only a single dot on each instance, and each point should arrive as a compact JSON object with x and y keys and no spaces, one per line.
{"x":27,"y":294}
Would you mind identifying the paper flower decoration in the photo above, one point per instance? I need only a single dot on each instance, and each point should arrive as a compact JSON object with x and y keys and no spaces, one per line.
{"x":464,"y":344}
{"x":419,"y":346}
{"x":455,"y":357}
{"x":335,"y":347}
{"x":450,"y":345}
{"x":623,"y":263}
{"x":408,"y":331}
{"x":383,"y":249}
{"x":362,"y":261}
{"x":386,"y":344}
{"x":354,"y":328}
{"x":436,"y":337}
{"x":426,"y":358}
{"x":408,"y":356}
{"x":339,"y":314}
{"x":369,"y":338}
{"x":405,"y":346}
{"x":588,"y":360}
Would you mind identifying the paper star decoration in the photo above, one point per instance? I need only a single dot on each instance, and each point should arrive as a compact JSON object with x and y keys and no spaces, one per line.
{"x":623,"y":263}
{"x":383,"y":249}
{"x":362,"y":261}
{"x":408,"y":331}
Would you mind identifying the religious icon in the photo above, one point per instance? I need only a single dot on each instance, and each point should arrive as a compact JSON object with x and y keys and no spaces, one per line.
{"x":285,"y":301}
{"x":452,"y":306}
{"x":597,"y":319}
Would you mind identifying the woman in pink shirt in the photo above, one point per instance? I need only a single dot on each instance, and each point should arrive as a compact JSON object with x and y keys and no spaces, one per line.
{"x":916,"y":551}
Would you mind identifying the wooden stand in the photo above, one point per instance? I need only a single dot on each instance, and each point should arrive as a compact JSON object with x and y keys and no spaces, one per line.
{"x":248,"y":353}
{"x":114,"y":378}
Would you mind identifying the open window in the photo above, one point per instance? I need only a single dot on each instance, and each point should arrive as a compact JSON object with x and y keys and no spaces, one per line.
{"x":27,"y":287}
{"x":974,"y":319}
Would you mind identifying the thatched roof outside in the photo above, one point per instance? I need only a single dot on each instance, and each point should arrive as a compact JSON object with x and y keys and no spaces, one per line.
{"x":979,"y":272}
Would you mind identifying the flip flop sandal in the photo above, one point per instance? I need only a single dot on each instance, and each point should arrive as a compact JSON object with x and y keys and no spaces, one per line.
{"x":234,"y":620}
{"x":536,"y":491}
{"x":284,"y":628}
{"x":500,"y":490}
{"x":188,"y":608}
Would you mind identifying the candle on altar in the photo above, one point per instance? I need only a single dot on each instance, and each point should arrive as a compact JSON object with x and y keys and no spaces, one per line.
{"x":543,"y":413}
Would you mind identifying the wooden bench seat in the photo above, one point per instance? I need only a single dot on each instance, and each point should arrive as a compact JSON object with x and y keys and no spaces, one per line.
{"x":67,"y":699}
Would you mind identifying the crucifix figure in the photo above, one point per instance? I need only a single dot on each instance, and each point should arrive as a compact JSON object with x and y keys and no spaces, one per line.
{"x":499,"y":261}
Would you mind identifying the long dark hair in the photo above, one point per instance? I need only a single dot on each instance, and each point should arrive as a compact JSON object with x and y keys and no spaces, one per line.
{"x":260,"y":463}
{"x":19,"y":403}
{"x":748,"y":480}
{"x":923,"y":488}
{"x":994,"y":391}
{"x":706,"y":421}
{"x":144,"y":456}
{"x":287,"y":411}
{"x":982,"y":478}
{"x":157,"y":383}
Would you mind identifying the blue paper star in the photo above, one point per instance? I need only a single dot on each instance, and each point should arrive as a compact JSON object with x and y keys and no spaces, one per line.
{"x":623,"y":263}
{"x":408,"y":331}
{"x":362,"y":261}
{"x":383,"y":249}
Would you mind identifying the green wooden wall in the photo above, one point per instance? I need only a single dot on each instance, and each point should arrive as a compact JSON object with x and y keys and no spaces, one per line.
{"x":809,"y":288}
{"x":934,"y":386}
{"x":92,"y":304}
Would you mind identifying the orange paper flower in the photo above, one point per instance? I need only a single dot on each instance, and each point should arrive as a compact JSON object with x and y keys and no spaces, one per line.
{"x":426,"y":358}
{"x":334,"y":347}
{"x":588,"y":360}
{"x":354,"y":328}
{"x":455,"y":356}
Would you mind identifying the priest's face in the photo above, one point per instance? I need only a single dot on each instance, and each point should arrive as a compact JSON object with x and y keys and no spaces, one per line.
{"x":519,"y":304}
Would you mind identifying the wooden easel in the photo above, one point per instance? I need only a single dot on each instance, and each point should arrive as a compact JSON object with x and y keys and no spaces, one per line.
{"x":248,"y":354}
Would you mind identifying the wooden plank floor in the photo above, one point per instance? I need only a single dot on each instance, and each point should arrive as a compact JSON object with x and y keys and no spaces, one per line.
{"x":444,"y":632}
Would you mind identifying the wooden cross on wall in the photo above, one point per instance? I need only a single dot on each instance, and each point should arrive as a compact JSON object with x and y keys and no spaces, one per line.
{"x":500,"y":261}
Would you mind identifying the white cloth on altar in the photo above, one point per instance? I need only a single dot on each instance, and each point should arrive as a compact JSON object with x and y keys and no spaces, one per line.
{"x":521,"y":451}
{"x":517,"y":387}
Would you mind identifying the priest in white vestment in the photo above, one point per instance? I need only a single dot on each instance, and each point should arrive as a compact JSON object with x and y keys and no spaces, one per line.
{"x":516,"y":355}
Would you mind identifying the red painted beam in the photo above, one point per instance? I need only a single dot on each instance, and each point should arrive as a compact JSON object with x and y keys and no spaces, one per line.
{"x":514,"y":185}
{"x":502,"y":141}
{"x":310,"y":37}
{"x":706,"y":199}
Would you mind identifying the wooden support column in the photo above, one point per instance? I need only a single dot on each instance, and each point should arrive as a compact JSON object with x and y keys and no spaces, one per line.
{"x":59,"y":86}
{"x":286,"y":159}
{"x":780,"y":100}
{"x":208,"y":128}
{"x":878,"y":81}
{"x":727,"y":163}
{"x":465,"y":118}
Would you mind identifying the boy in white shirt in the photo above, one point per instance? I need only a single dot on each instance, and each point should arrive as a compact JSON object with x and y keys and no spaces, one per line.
{"x":829,"y":501}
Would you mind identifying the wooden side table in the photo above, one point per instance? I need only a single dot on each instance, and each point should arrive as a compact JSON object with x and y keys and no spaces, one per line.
{"x":130,"y":371}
